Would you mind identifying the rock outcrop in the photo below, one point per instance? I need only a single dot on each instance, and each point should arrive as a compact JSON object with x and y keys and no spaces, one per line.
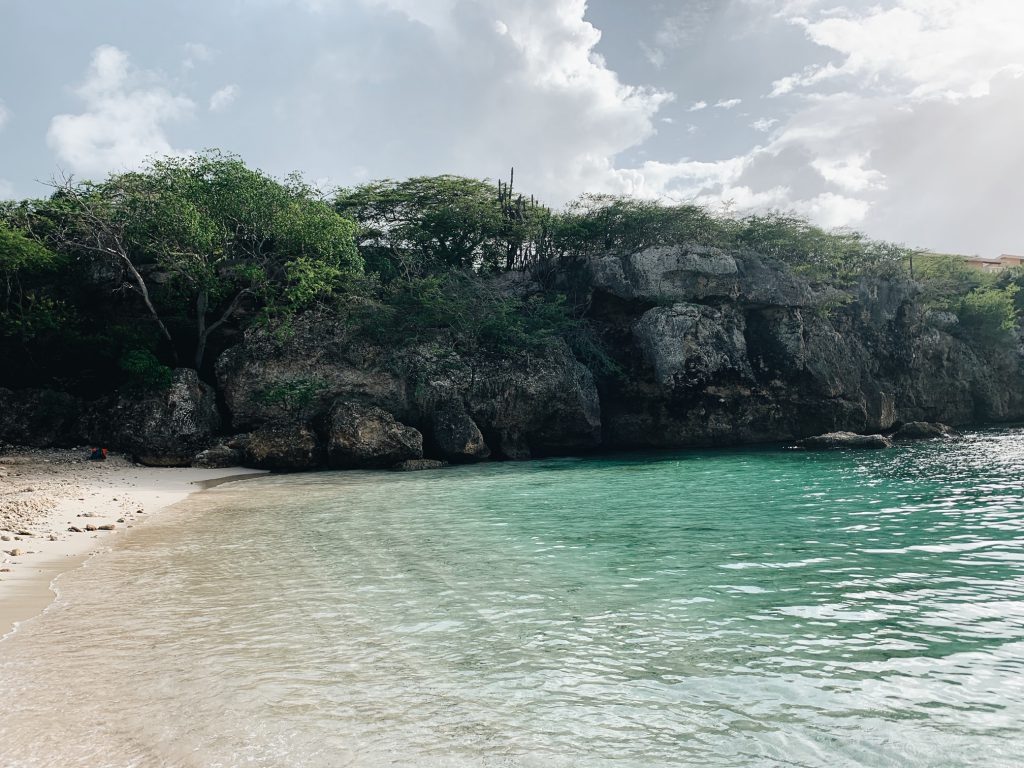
{"x":922,"y":430}
{"x":835,"y":440}
{"x":455,"y":436}
{"x":367,"y":437}
{"x":695,"y":346}
{"x":164,"y":429}
{"x":289,"y":447}
{"x":419,"y":465}
{"x":218,"y":457}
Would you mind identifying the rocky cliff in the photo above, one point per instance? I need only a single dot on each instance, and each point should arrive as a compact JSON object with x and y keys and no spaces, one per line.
{"x":706,"y":347}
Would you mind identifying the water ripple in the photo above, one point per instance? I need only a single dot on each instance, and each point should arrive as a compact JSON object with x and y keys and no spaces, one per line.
{"x":745,"y":608}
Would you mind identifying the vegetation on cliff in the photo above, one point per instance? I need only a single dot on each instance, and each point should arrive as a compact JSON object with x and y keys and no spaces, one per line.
{"x":117,"y":281}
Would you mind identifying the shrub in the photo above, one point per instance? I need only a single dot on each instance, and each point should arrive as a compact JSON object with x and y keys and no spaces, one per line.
{"x":145,"y":372}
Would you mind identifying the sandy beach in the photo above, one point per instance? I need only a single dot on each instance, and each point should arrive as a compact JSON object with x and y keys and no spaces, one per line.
{"x":57,"y":508}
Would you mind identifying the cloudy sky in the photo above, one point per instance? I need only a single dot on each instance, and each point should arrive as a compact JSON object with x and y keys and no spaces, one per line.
{"x":902,"y":118}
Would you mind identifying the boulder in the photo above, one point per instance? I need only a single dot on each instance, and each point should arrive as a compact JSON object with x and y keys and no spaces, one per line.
{"x":455,"y":436}
{"x":162,"y":429}
{"x":284,"y":447}
{"x":834,"y":440}
{"x":417,"y":465}
{"x":218,"y":457}
{"x":265,"y":380}
{"x":922,"y":430}
{"x":365,"y":437}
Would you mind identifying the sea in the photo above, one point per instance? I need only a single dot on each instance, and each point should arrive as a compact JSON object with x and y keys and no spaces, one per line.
{"x":742,"y":608}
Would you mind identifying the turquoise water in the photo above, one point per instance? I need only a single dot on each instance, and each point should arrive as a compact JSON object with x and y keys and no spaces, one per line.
{"x":742,"y":608}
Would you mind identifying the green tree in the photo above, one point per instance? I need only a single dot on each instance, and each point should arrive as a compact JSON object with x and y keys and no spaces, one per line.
{"x":207,"y":233}
{"x":597,"y":223}
{"x":25,"y":264}
{"x":433,"y":224}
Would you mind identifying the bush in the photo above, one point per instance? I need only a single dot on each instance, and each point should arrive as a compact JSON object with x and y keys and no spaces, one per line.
{"x":990,"y":313}
{"x":145,"y":372}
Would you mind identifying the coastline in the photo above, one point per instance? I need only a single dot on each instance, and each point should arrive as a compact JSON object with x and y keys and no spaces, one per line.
{"x":44,"y":493}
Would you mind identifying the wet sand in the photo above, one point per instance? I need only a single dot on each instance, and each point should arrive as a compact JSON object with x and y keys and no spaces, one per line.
{"x":46,"y":494}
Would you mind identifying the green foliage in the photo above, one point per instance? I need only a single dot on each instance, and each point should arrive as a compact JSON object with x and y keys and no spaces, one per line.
{"x":145,"y":372}
{"x":990,"y":313}
{"x":193,"y":250}
{"x":214,"y":238}
{"x":946,"y":279}
{"x":466,"y":312}
{"x":20,"y":253}
{"x":1013,"y":277}
{"x":433,"y":224}
{"x":27,"y":267}
{"x":291,"y":396}
{"x":597,"y":223}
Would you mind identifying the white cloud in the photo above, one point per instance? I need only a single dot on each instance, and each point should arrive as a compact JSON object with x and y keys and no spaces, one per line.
{"x":928,"y":49}
{"x":491,"y":85}
{"x":849,"y":173}
{"x":698,"y":106}
{"x":123,"y":120}
{"x":832,"y":210}
{"x":656,"y":56}
{"x":5,"y":115}
{"x":728,"y":103}
{"x":196,"y":53}
{"x":909,"y":131}
{"x":6,"y":190}
{"x":223,"y":98}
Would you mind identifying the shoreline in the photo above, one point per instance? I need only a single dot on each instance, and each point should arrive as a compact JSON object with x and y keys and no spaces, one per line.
{"x":44,"y":493}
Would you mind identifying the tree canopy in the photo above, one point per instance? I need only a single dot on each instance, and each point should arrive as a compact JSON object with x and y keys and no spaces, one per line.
{"x":168,"y":264}
{"x":204,"y":237}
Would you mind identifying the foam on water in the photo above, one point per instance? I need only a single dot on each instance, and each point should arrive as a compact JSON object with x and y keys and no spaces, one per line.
{"x":742,"y":608}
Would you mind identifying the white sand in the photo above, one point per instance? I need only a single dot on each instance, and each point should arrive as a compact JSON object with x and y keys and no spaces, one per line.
{"x":43,"y":493}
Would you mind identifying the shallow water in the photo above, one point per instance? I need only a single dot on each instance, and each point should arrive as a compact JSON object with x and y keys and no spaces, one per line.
{"x":742,"y":608}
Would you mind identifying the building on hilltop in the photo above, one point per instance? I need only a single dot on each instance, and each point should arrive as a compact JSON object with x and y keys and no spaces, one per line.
{"x":1005,"y":261}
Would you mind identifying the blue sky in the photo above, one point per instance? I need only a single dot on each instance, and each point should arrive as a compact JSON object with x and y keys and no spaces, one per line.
{"x":901,"y":118}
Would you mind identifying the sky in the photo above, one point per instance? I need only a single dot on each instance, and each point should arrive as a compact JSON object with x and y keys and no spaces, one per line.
{"x":899,"y":118}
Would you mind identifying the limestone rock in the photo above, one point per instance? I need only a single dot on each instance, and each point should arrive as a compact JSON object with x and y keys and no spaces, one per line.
{"x":362,"y":437}
{"x":455,"y":436}
{"x":285,"y":447}
{"x":922,"y":430}
{"x":417,"y":465}
{"x":268,"y":381}
{"x":218,"y":457}
{"x":834,"y":440}
{"x":540,"y":404}
{"x":164,"y":429}
{"x":690,"y":345}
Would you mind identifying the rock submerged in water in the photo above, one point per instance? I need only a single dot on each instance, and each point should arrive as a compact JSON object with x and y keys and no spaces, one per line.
{"x":834,"y":440}
{"x":416,"y":465}
{"x":923,"y":430}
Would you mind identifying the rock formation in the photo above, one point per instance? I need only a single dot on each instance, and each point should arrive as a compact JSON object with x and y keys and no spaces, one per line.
{"x":704,"y":348}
